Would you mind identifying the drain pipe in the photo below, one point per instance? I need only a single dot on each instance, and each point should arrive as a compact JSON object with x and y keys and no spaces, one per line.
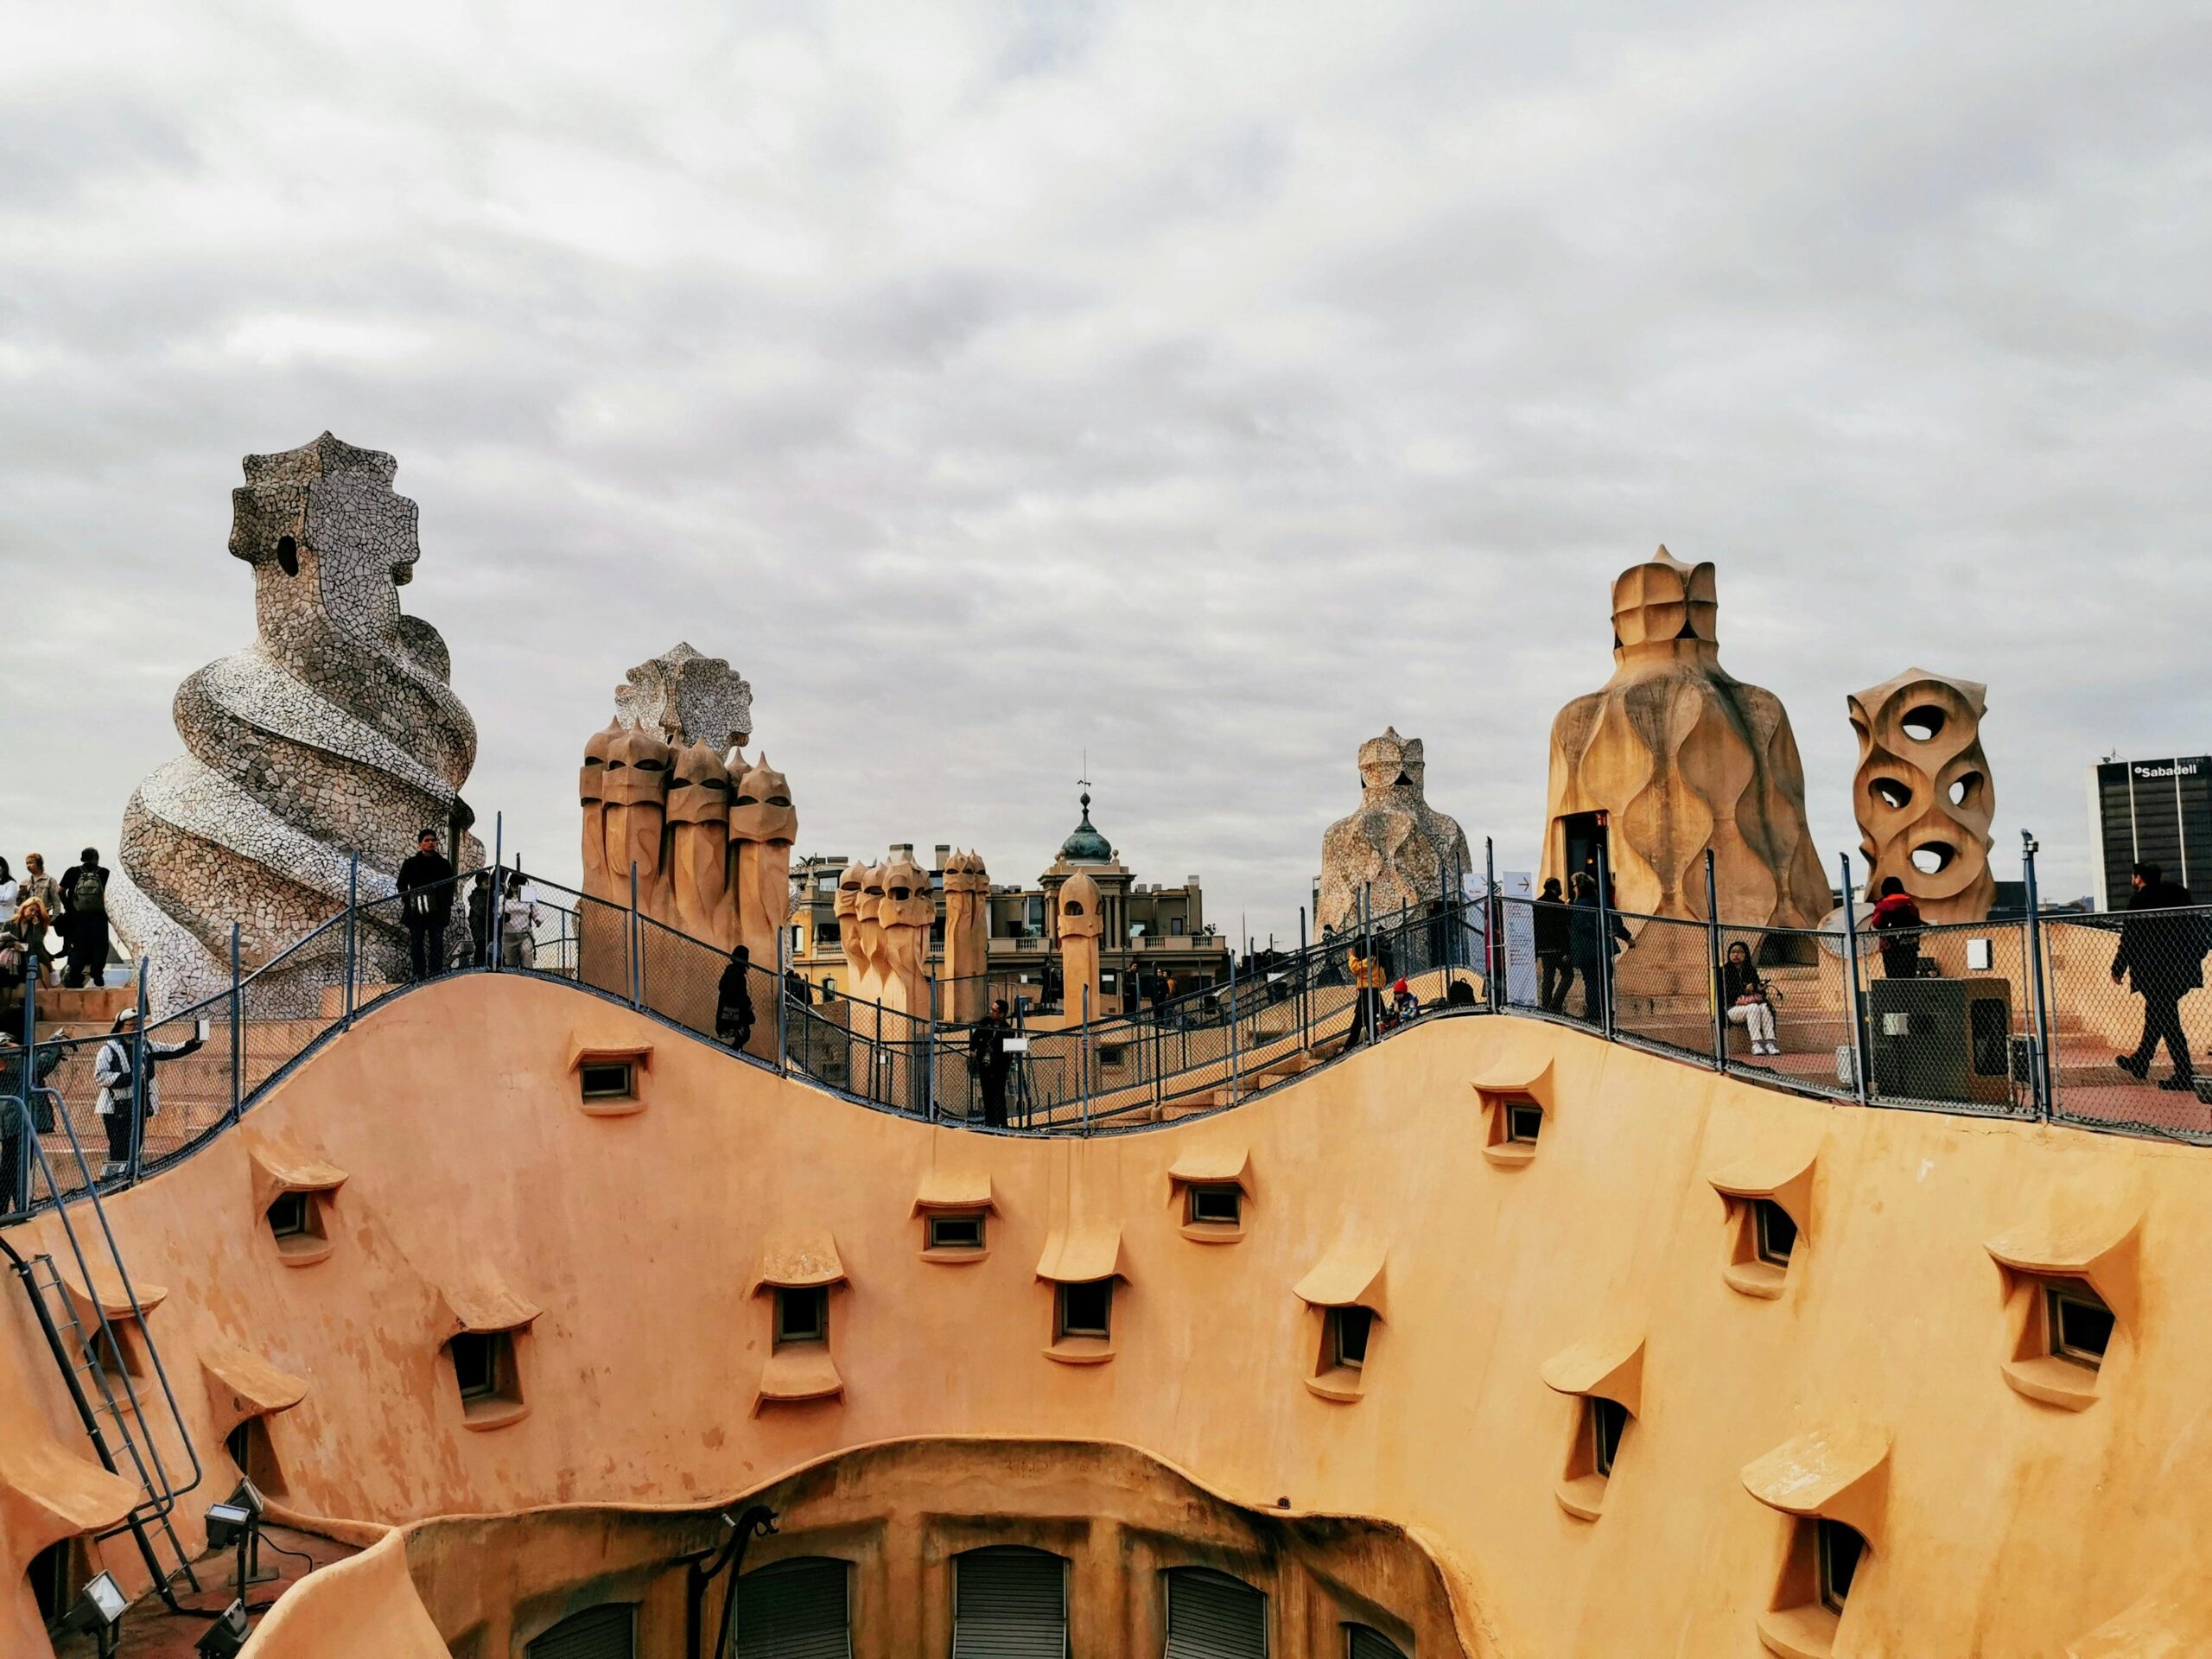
{"x":757,"y":1521}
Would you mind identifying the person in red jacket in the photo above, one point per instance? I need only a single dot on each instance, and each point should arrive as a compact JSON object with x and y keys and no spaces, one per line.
{"x":1896,"y":920}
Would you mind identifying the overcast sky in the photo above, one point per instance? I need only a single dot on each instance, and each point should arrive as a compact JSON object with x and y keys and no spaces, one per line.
{"x":1203,"y":387}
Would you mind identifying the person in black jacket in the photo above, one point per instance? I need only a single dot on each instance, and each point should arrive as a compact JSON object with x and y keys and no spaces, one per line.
{"x":1554,"y":973}
{"x":83,"y":920}
{"x":17,"y":1083}
{"x":989,"y":1063}
{"x":426,"y":904}
{"x":733,"y":1001}
{"x":2164,"y":957}
{"x":1591,"y":941}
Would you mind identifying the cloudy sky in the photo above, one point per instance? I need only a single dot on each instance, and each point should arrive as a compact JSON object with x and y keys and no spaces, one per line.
{"x":1202,"y":387}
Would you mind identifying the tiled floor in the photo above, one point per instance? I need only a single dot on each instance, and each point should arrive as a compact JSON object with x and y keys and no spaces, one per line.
{"x":151,"y":1631}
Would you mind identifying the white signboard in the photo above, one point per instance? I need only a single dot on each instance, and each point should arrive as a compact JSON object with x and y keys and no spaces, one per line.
{"x":1519,"y":887}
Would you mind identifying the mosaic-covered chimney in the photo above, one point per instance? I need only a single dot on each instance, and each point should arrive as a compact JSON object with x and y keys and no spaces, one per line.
{"x":334,"y":733}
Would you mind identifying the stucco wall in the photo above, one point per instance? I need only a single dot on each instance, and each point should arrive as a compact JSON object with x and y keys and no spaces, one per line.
{"x":2011,"y":1527}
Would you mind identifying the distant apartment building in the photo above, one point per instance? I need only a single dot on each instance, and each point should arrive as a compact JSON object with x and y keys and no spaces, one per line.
{"x":2150,"y":812}
{"x":1153,"y":931}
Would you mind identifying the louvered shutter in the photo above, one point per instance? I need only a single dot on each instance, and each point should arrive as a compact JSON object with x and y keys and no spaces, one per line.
{"x":1370,"y":1644}
{"x":1212,"y":1616}
{"x":608,"y":1632}
{"x":794,"y":1609}
{"x":1009,"y":1603}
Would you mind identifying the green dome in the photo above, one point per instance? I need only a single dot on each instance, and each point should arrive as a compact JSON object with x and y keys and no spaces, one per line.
{"x":1085,"y":845}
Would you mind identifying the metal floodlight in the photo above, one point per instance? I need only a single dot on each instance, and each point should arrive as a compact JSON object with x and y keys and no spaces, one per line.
{"x":227,"y":1635}
{"x":228,"y":1523}
{"x":248,"y":1496}
{"x":99,"y":1609}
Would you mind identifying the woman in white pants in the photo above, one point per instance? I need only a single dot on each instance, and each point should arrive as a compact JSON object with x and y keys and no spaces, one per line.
{"x":1745,"y":995}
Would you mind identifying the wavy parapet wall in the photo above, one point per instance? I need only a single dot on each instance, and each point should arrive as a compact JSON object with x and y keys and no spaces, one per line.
{"x":334,"y":733}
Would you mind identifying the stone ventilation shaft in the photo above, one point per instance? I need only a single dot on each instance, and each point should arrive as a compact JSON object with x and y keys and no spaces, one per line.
{"x":666,"y":790}
{"x":1922,"y":793}
{"x":1675,"y":754}
{"x":334,"y":732}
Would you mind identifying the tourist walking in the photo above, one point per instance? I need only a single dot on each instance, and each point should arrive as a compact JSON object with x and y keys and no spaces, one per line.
{"x":988,"y":1062}
{"x":733,"y":1001}
{"x":1367,"y":977}
{"x":426,"y":904}
{"x":480,"y":919}
{"x":2163,"y":957}
{"x":83,"y":919}
{"x":1554,"y":972}
{"x":19,"y":1085}
{"x":127,"y":1107}
{"x":1896,"y":926}
{"x":1592,"y":941}
{"x":1747,"y":999}
{"x":518,"y":921}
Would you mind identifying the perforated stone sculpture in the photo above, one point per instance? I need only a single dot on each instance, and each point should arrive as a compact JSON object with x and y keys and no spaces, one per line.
{"x":334,"y":732}
{"x":966,"y":935}
{"x":1678,"y":756}
{"x":667,"y":791}
{"x":1922,"y":793}
{"x":1396,"y":845}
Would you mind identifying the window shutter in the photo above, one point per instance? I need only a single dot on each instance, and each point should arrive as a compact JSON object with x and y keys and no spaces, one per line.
{"x":1367,"y":1644}
{"x":608,"y":1632}
{"x":1009,"y":1603}
{"x":795,"y":1610}
{"x":1212,"y":1616}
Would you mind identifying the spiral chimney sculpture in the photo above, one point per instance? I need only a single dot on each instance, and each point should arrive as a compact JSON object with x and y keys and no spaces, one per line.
{"x":334,"y":733}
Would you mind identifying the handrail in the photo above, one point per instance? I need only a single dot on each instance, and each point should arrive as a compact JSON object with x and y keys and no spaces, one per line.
{"x":1205,"y":1041}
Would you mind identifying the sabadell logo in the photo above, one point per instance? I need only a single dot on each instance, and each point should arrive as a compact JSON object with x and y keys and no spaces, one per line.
{"x":2172,"y":769}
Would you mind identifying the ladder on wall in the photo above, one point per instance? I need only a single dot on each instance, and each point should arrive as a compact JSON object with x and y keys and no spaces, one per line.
{"x":91,"y":1355}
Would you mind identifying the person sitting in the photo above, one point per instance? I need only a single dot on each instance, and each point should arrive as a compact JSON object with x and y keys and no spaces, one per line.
{"x":1744,"y":994}
{"x":1404,"y":1005}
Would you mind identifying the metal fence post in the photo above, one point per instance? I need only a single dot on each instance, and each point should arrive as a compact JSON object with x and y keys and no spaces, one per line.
{"x":1364,"y":1009}
{"x":353,"y":922}
{"x":1083,"y":1059}
{"x":929,"y":1052}
{"x":1713,"y":985}
{"x":138,"y":1075}
{"x":238,"y":1029}
{"x":1305,"y":987}
{"x":493,"y":937}
{"x":2038,"y":1011}
{"x":1493,"y":930}
{"x":1861,"y":1056}
{"x":1236,"y":1064}
{"x":1605,"y":940}
{"x":783,"y":999}
{"x":637,"y":940}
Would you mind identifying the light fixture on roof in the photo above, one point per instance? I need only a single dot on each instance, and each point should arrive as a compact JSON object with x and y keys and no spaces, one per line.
{"x":99,"y":1610}
{"x":236,"y":1521}
{"x":226,"y":1635}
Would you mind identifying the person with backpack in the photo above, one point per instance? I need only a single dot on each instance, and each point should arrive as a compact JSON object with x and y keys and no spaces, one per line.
{"x":83,"y":919}
{"x":1897,"y":924}
{"x":128,"y":1108}
{"x":2163,"y":957}
{"x":426,"y":904}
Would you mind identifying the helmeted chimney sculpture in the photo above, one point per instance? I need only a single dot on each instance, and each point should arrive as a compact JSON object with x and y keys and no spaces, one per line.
{"x":966,"y":935}
{"x":1397,"y":845}
{"x":1675,"y":755}
{"x":1922,"y":793}
{"x":334,"y":732}
{"x":667,"y":793}
{"x":1080,"y":928}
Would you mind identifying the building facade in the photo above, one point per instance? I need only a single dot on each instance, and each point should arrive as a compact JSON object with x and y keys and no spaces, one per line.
{"x":2150,"y":812}
{"x":1153,"y":932}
